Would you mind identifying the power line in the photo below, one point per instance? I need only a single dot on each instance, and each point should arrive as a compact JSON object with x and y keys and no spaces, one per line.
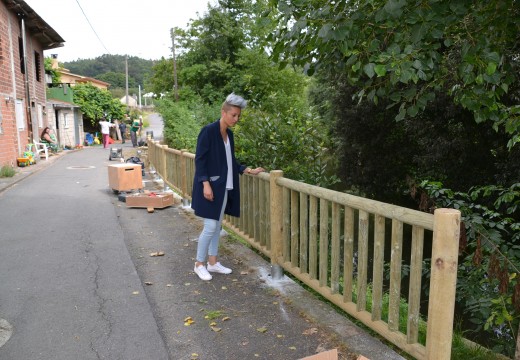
{"x":86,"y":18}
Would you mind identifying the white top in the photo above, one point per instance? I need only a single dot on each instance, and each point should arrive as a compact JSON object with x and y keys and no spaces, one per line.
{"x":229,"y":181}
{"x":105,"y":127}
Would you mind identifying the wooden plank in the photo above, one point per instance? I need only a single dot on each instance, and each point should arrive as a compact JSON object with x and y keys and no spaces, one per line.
{"x":443,"y":280}
{"x":313,"y":237}
{"x":362,"y":268}
{"x":304,"y":233}
{"x":395,"y":275}
{"x":262,"y":216}
{"x":324,"y":243}
{"x":378,"y":267}
{"x":295,"y":228}
{"x":414,"y":293}
{"x":389,"y":211}
{"x":335,"y":248}
{"x":348,"y":256}
{"x":286,"y":224}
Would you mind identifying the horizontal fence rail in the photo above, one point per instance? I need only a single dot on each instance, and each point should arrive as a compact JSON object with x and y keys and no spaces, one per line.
{"x":365,"y":256}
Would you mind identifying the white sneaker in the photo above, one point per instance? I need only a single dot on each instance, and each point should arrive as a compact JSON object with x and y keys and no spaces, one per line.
{"x":202,"y":273}
{"x":218,"y":268}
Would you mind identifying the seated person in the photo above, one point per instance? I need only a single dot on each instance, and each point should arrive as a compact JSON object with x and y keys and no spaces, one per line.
{"x":49,"y":138}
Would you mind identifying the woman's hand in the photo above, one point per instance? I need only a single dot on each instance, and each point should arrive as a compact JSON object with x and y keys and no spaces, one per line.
{"x":256,"y":171}
{"x":207,"y":191}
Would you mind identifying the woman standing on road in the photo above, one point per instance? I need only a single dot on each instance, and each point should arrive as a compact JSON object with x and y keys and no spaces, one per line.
{"x":216,"y":183}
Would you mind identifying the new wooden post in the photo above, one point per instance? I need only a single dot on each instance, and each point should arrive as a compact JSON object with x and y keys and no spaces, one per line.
{"x":164,"y":173}
{"x":276,"y":196}
{"x":445,"y":250}
{"x":184,"y":174}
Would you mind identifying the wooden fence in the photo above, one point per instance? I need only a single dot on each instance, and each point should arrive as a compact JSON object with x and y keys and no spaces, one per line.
{"x":339,"y":245}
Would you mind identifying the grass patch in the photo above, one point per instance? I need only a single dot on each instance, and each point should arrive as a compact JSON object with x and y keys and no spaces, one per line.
{"x":214,"y":314}
{"x":7,"y":171}
{"x":464,"y":350}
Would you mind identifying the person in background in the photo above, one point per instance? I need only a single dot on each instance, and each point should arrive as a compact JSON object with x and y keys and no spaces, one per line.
{"x":122,"y":129}
{"x":105,"y":131}
{"x":133,"y":131}
{"x":216,"y":184}
{"x":47,"y":137}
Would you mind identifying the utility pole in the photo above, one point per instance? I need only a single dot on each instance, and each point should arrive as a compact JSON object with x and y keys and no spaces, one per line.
{"x":126,"y":71}
{"x":139,"y":96}
{"x":174,"y":68}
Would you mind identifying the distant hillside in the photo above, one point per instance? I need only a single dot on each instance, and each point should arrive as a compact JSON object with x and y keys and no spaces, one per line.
{"x":111,"y":69}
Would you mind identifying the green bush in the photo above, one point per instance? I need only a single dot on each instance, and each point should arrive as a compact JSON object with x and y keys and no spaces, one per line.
{"x":7,"y":171}
{"x":488,"y":281}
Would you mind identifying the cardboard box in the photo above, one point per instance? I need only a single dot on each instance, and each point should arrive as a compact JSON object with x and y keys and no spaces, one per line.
{"x":325,"y":355}
{"x":150,"y":200}
{"x":125,"y":177}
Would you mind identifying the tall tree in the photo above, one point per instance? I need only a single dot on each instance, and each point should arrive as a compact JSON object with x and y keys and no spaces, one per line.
{"x":404,"y":51}
{"x":96,"y":103}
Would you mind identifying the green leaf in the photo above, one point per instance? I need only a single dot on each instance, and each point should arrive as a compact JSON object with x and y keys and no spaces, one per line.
{"x":412,"y":110}
{"x":491,"y":68}
{"x":324,"y":31}
{"x":380,"y":70}
{"x":395,"y":7}
{"x":369,"y":70}
{"x":406,"y":75}
{"x":402,"y":113}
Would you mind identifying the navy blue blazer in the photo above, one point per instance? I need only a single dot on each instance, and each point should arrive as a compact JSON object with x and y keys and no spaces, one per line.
{"x":211,"y":165}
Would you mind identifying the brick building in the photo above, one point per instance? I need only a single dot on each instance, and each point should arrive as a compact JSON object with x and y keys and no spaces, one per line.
{"x":24,"y":35}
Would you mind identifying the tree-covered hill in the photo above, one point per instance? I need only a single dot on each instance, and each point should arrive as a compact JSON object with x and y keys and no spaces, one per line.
{"x":111,"y":69}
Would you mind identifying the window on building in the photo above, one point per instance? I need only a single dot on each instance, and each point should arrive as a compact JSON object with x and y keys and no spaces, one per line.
{"x":38,"y":66}
{"x":65,"y":121}
{"x":19,"y":113}
{"x":20,"y":51}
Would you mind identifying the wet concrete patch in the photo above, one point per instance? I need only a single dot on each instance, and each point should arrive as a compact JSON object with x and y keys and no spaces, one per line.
{"x":6,"y":331}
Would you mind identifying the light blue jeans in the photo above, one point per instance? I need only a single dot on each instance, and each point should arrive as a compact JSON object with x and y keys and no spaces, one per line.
{"x":210,"y":235}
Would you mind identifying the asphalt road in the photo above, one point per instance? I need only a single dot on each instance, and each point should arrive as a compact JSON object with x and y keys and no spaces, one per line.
{"x":67,"y":282}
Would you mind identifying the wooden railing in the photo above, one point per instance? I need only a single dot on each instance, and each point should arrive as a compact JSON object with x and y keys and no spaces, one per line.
{"x":339,"y":244}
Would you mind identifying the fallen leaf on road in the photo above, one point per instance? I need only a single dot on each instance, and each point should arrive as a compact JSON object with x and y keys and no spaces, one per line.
{"x":148,"y":283}
{"x":213,"y":324}
{"x":244,"y":273}
{"x":194,"y":356}
{"x":292,"y":347}
{"x":135,"y":293}
{"x":169,"y":285}
{"x":226,"y":318}
{"x":262,"y":330}
{"x":310,"y":331}
{"x":215,"y":329}
{"x":157,"y":253}
{"x":188,"y":321}
{"x":224,"y":288}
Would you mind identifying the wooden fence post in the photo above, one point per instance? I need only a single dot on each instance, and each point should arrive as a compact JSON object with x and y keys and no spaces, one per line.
{"x":276,"y":196}
{"x":164,"y":173}
{"x":445,"y":251}
{"x":184,"y":174}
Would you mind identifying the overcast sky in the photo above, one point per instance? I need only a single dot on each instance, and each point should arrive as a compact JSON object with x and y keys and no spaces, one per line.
{"x":135,"y":28}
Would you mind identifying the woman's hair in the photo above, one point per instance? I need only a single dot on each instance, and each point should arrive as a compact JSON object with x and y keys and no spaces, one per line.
{"x":234,"y":100}
{"x":44,"y":131}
